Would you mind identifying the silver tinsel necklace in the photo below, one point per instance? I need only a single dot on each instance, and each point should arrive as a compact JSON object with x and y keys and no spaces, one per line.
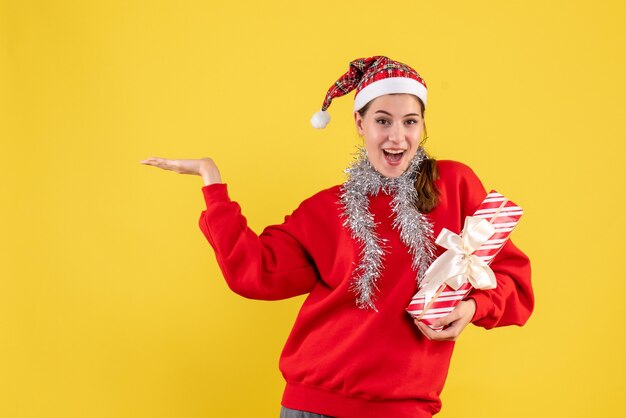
{"x":416,"y":230}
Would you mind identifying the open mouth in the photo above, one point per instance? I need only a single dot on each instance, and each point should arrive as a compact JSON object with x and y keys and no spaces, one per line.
{"x":393,"y":156}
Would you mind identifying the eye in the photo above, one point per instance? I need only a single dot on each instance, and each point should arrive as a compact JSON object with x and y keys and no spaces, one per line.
{"x":382,"y":121}
{"x":411,"y":121}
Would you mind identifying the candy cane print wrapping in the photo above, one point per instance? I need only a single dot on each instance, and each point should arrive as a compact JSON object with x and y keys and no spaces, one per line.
{"x":465,"y":263}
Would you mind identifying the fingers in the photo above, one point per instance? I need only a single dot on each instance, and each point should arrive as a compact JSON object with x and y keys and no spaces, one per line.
{"x":451,"y":333}
{"x":425,"y":329}
{"x":157,"y":162}
{"x":450,"y":318}
{"x":150,"y":160}
{"x":454,"y":323}
{"x":165,"y":164}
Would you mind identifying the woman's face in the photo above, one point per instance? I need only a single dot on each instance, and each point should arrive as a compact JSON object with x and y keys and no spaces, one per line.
{"x":392,"y":130}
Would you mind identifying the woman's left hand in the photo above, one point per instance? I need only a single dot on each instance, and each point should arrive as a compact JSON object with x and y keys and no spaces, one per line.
{"x":453,"y":323}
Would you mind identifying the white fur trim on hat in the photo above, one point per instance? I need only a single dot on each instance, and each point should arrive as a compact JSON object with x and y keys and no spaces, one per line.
{"x":389,"y":86}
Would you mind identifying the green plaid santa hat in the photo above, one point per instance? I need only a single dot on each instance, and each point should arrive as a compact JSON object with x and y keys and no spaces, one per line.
{"x":372,"y":77}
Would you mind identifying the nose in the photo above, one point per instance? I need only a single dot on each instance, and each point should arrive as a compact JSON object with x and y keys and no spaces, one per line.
{"x":396,"y":133}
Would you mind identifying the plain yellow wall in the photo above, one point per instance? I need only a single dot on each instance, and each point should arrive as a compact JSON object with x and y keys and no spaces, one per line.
{"x":111,"y":302}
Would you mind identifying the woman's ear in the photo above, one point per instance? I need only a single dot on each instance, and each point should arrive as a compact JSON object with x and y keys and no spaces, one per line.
{"x":358,"y":121}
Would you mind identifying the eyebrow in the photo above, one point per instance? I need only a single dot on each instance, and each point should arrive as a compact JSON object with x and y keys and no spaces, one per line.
{"x":389,"y":114}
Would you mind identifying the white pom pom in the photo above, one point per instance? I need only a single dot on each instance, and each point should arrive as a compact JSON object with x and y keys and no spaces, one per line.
{"x":320,"y":119}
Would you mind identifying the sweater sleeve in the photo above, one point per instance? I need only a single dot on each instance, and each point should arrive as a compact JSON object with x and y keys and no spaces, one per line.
{"x":272,"y":265}
{"x":512,"y":301}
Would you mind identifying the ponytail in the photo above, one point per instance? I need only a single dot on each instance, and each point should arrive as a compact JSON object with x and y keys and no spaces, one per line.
{"x":427,"y":192}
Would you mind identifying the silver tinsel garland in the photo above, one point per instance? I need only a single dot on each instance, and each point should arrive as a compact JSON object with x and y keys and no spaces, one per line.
{"x":416,"y":230}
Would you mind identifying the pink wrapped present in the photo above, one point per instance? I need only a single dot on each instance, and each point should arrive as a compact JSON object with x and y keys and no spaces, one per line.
{"x":465,"y":264}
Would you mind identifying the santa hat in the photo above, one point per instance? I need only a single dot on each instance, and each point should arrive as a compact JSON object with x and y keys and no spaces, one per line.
{"x":372,"y":77}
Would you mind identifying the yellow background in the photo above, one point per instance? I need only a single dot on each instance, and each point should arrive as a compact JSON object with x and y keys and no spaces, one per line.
{"x":111,"y":302}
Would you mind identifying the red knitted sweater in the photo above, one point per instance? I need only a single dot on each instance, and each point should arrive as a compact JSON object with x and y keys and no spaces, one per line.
{"x":340,"y":360}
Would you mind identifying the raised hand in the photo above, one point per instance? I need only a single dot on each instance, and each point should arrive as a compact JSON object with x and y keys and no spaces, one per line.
{"x":204,"y":167}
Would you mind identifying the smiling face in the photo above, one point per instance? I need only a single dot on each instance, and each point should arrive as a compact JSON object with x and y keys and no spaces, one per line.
{"x":392,"y":129}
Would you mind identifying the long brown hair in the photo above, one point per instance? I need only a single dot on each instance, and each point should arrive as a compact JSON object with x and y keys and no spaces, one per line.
{"x":427,"y":192}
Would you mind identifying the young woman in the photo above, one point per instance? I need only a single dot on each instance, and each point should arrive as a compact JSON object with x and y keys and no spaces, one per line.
{"x":359,"y":250}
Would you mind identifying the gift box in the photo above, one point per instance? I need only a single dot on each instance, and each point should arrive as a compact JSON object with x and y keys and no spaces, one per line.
{"x":465,"y":264}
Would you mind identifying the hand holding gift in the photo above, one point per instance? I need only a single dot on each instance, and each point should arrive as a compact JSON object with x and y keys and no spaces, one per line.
{"x":465,"y":264}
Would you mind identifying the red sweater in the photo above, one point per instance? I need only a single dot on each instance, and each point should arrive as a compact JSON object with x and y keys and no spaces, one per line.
{"x":340,"y":360}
